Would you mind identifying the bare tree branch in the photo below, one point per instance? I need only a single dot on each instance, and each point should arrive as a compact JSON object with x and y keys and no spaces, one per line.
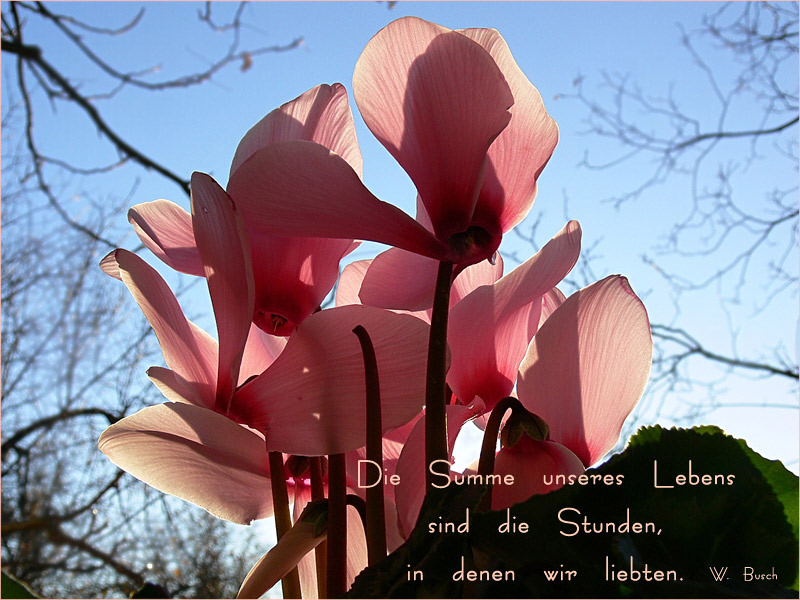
{"x":33,"y":54}
{"x":693,"y":347}
{"x":733,"y":134}
{"x":52,"y":420}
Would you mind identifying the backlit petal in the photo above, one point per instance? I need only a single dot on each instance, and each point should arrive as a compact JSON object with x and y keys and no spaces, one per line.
{"x":166,"y":229}
{"x":307,"y":567}
{"x":260,"y":352}
{"x":436,"y":100}
{"x":320,"y":115}
{"x":223,"y":245}
{"x":303,"y":189}
{"x":400,"y":280}
{"x":186,"y":349}
{"x":197,"y":455}
{"x":174,"y":388}
{"x":520,"y":152}
{"x":292,"y":278}
{"x":550,"y":302}
{"x":311,"y":401}
{"x":588,"y":366}
{"x":474,"y":276}
{"x":109,"y":265}
{"x":350,"y":282}
{"x":282,"y":558}
{"x":534,"y":466}
{"x":491,"y":328}
{"x":356,"y":545}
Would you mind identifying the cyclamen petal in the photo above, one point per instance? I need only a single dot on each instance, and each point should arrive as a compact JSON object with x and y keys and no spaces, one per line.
{"x":312,"y":400}
{"x":306,"y":567}
{"x":347,"y":292}
{"x":298,"y":542}
{"x":490,"y":329}
{"x":197,"y":455}
{"x":166,"y":229}
{"x":174,"y":388}
{"x":436,"y":100}
{"x":108,"y":265}
{"x":521,"y":151}
{"x":302,"y":189}
{"x":588,"y":366}
{"x":293,"y":276}
{"x":321,"y":115}
{"x":225,"y":249}
{"x":550,"y":302}
{"x":400,"y":280}
{"x":415,"y":84}
{"x":282,"y":558}
{"x":474,"y":276}
{"x":260,"y":352}
{"x":187,"y":350}
{"x":290,"y":288}
{"x":534,"y":466}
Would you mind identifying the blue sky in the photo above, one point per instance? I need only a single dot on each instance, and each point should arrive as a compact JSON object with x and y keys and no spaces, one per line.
{"x":554,"y":43}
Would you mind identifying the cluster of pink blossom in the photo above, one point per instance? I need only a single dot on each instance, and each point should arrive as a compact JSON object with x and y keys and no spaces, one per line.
{"x":276,"y":409}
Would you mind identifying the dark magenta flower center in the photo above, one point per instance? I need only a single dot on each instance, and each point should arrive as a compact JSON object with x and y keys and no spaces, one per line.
{"x":473,"y":245}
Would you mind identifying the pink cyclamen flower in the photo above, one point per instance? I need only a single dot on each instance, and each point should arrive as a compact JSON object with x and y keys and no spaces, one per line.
{"x":291,"y":275}
{"x":584,"y":373}
{"x":492,"y":318}
{"x":305,"y":398}
{"x":455,"y":111}
{"x":492,"y":321}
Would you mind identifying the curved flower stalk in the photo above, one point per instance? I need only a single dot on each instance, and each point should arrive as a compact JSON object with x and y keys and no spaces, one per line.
{"x":473,"y":156}
{"x":289,"y":288}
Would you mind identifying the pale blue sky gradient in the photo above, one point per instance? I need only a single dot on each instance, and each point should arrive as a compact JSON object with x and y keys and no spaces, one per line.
{"x":198,"y":129}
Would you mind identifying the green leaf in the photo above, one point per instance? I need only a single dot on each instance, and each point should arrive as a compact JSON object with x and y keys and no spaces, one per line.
{"x":14,"y":588}
{"x":742,"y":515}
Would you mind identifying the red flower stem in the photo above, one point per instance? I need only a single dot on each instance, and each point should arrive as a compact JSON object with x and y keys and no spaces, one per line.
{"x":337,"y":526}
{"x":321,"y":551}
{"x":436,"y":447}
{"x":376,"y":520}
{"x":490,"y":434}
{"x":283,"y":519}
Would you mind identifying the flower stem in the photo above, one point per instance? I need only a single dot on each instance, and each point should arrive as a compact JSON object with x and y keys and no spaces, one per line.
{"x":436,"y":447}
{"x":376,"y":520}
{"x":337,"y":526}
{"x":321,"y":551}
{"x":490,"y":434}
{"x":283,"y":519}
